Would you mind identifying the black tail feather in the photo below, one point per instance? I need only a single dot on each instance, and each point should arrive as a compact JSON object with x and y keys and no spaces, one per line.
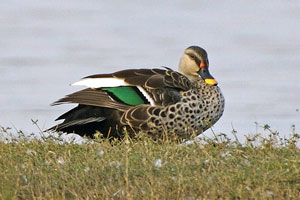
{"x":87,"y":120}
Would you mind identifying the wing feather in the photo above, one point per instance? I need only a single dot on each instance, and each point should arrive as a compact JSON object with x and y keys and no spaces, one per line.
{"x":138,"y":116}
{"x":151,"y":78}
{"x":93,"y":97}
{"x":77,"y":122}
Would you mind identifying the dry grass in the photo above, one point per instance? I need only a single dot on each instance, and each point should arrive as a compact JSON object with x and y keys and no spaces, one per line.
{"x":263,"y":168}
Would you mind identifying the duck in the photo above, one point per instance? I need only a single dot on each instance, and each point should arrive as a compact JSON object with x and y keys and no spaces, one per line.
{"x":158,"y":102}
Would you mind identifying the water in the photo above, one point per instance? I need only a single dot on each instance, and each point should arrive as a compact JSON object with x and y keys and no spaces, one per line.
{"x":253,"y":49}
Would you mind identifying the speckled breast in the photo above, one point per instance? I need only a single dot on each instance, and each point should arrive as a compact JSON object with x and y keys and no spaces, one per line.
{"x":199,"y":109}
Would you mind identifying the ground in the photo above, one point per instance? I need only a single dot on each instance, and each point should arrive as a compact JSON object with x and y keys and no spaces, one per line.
{"x":265,"y":167}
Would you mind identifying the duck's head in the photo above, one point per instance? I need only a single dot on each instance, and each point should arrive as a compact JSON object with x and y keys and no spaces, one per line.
{"x":194,"y":62}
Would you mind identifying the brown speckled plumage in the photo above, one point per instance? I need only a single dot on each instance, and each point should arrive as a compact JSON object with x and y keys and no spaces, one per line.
{"x":182,"y":103}
{"x":198,"y":109}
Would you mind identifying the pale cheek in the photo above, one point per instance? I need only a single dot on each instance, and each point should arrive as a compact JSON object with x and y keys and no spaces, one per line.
{"x":195,"y":74}
{"x":193,"y":68}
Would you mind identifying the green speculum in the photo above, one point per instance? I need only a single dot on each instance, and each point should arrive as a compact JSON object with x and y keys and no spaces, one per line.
{"x":127,"y":94}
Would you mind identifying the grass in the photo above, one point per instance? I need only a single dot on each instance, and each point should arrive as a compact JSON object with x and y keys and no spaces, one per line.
{"x":265,"y":167}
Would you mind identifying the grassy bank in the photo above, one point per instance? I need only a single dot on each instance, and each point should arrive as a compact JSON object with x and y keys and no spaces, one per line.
{"x":263,"y":167}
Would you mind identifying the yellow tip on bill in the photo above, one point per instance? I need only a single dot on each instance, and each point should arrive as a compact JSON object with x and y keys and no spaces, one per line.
{"x":211,"y":81}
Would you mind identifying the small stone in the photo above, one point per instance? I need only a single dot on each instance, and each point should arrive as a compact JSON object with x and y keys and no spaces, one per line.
{"x":87,"y":169}
{"x":31,"y":152}
{"x":100,"y":153}
{"x":60,"y":160}
{"x":158,"y":163}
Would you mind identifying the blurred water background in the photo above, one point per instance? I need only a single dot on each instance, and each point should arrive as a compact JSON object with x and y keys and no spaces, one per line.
{"x":253,"y":47}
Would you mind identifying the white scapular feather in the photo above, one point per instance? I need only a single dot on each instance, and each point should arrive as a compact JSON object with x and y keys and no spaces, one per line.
{"x":101,"y":82}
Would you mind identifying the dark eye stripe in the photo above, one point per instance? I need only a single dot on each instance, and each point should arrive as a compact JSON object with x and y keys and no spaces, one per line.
{"x":192,"y":56}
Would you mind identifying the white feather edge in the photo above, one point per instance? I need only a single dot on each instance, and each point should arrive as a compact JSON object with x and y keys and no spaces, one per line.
{"x":146,"y":95}
{"x":100,"y":82}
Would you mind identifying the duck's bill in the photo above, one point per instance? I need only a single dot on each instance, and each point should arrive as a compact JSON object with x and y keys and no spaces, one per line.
{"x":209,"y":79}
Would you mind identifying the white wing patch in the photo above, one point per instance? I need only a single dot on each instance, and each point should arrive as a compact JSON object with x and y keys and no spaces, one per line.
{"x":146,"y":95}
{"x":101,"y":82}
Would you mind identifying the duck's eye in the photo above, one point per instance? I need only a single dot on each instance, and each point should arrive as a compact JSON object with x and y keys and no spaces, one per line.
{"x":192,"y":56}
